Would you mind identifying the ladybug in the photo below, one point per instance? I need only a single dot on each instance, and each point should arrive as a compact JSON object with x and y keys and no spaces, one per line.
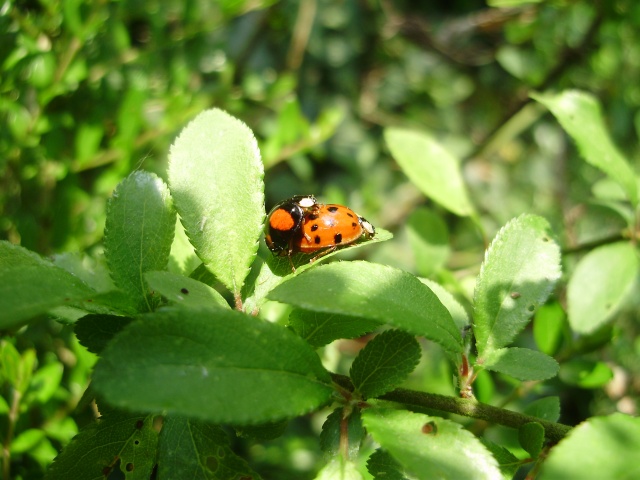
{"x":301,"y":225}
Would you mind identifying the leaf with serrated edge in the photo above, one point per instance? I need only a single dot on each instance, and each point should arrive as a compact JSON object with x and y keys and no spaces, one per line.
{"x":521,"y":363}
{"x":125,"y":439}
{"x":384,"y":363}
{"x":519,"y":272}
{"x":223,"y":366}
{"x":384,"y":467}
{"x":319,"y":328}
{"x":270,"y":271}
{"x":601,"y":447}
{"x":216,"y":177}
{"x":33,"y":289}
{"x":430,"y":167}
{"x":531,"y":438}
{"x":184,"y":291}
{"x":599,"y":284}
{"x":376,"y":292}
{"x":580,"y":115}
{"x":197,"y":450}
{"x":332,"y":434}
{"x":444,"y":450}
{"x":139,"y":230}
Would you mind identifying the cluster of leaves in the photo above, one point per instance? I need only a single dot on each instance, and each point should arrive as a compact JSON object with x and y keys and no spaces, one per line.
{"x":90,"y":89}
{"x":191,"y":359}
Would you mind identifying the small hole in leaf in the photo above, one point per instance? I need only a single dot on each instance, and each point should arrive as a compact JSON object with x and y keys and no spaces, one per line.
{"x":129,"y":467}
{"x":429,"y":428}
{"x":136,"y":442}
{"x":184,"y":290}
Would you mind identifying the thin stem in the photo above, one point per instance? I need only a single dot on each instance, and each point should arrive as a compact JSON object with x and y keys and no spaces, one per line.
{"x":554,"y":432}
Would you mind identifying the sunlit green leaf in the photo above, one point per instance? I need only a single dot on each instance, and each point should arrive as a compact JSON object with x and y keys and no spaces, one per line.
{"x":599,"y":284}
{"x":430,"y":167}
{"x":430,"y":447}
{"x":601,"y":447}
{"x":521,"y":363}
{"x":580,"y":115}
{"x":519,"y":272}
{"x":215,"y":174}
{"x":139,"y":231}
{"x":377,"y":292}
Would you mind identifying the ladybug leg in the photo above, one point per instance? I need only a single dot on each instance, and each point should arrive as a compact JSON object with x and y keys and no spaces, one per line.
{"x":293,"y":268}
{"x":323,"y":253}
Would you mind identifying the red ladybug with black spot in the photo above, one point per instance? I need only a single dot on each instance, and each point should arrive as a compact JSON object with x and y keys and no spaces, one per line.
{"x":301,"y":225}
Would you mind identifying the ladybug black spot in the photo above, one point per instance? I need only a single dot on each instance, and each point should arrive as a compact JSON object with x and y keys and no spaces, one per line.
{"x":317,"y":239}
{"x":337,"y":238}
{"x":354,"y":224}
{"x":312,"y":216}
{"x":333,"y":209}
{"x":350,"y":215}
{"x":314,"y":227}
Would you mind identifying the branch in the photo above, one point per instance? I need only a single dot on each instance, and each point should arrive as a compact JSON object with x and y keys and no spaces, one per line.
{"x":554,"y":432}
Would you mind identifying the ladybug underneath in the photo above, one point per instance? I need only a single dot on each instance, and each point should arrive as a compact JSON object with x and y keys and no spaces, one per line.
{"x":302,"y":225}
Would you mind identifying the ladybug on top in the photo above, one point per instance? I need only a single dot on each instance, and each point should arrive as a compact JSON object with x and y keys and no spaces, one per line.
{"x":302,"y":225}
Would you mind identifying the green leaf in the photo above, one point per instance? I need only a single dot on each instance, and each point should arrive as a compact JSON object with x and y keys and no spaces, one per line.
{"x":26,"y":441}
{"x":332,"y":431}
{"x":430,"y":167}
{"x":10,"y":363}
{"x":507,"y":461}
{"x":271,"y":271}
{"x":601,"y":447}
{"x":521,"y":363}
{"x":223,"y":366}
{"x":599,"y":284}
{"x":430,"y":447}
{"x":263,"y":431}
{"x":139,"y":231}
{"x":519,"y":272}
{"x":215,"y":173}
{"x":580,"y":115}
{"x":95,"y":331}
{"x":184,"y":290}
{"x":376,"y":292}
{"x":546,"y":408}
{"x":44,"y":383}
{"x":16,"y":256}
{"x":457,"y":311}
{"x":199,"y":451}
{"x":384,"y":467}
{"x":548,"y":326}
{"x":384,"y":363}
{"x":320,"y":329}
{"x":124,"y":441}
{"x":531,"y":438}
{"x":28,"y":291}
{"x":429,"y":240}
{"x":585,"y":373}
{"x":339,"y":469}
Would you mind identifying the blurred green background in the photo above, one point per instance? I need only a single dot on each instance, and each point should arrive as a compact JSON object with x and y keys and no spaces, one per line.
{"x":90,"y":91}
